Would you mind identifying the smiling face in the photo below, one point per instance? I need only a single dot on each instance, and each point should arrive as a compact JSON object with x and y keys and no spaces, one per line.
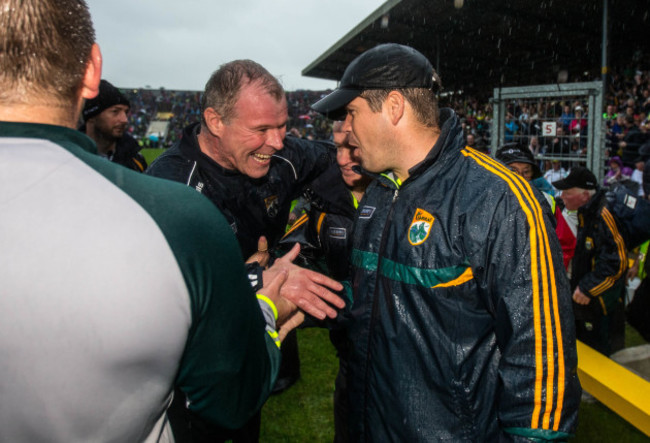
{"x":253,"y":134}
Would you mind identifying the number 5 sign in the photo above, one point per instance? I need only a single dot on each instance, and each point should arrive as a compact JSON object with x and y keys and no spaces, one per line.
{"x":549,"y":129}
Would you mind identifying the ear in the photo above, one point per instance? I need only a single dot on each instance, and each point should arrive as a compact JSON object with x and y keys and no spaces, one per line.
{"x":214,"y":122}
{"x":93,"y":75}
{"x":395,"y":105}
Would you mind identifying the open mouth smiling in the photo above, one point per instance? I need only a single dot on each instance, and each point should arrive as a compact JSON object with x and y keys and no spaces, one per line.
{"x":262,"y":158}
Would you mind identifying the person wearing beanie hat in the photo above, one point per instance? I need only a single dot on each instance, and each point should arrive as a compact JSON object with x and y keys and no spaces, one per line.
{"x":598,"y":266}
{"x":521,"y":161}
{"x":105,"y":121}
{"x":452,"y":258}
{"x":617,"y":172}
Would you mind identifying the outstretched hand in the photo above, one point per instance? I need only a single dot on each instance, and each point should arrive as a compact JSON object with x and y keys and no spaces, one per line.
{"x":309,"y":290}
{"x":272,"y":289}
{"x":290,"y":324}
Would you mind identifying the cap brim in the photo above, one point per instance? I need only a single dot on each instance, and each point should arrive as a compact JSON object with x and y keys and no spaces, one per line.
{"x":562,"y":185}
{"x":333,"y":106}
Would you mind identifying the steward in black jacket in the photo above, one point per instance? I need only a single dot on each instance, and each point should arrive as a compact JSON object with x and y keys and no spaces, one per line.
{"x":253,"y":207}
{"x":598,"y":268}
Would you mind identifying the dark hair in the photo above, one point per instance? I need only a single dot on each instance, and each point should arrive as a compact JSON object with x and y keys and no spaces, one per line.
{"x":223,"y":87}
{"x":44,"y":50}
{"x":422,"y":100}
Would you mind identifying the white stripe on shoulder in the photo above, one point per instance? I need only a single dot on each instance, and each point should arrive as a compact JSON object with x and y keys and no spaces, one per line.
{"x":295,"y":174}
{"x":189,"y":178}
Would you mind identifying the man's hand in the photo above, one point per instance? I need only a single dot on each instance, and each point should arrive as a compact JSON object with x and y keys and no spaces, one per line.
{"x":306,"y":289}
{"x":262,"y":255}
{"x":292,"y":322}
{"x":580,"y":298}
{"x":272,"y":289}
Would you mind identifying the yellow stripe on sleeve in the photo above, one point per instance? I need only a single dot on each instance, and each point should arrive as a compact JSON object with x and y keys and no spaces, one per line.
{"x":319,"y":225}
{"x":620,"y":247}
{"x":302,"y":220}
{"x":538,"y":238}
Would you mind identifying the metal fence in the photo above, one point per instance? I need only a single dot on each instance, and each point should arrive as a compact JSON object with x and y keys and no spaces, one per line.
{"x":560,"y":122}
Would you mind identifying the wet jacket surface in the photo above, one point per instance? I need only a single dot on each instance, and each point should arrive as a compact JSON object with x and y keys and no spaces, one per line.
{"x":127,"y":153}
{"x":600,"y":259}
{"x":461,"y":324}
{"x":326,"y":230}
{"x":253,"y":207}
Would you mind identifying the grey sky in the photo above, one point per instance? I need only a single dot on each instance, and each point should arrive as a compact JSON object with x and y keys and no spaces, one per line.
{"x":177,"y":44}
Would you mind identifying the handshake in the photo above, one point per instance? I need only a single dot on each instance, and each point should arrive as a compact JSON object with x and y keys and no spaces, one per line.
{"x":295,"y":291}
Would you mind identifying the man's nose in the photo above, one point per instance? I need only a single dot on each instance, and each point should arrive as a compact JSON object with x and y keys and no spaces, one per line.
{"x":347,"y":125}
{"x":275,"y":138}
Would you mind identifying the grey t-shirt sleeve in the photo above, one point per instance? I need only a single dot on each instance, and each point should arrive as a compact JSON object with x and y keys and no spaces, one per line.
{"x":230,"y":361}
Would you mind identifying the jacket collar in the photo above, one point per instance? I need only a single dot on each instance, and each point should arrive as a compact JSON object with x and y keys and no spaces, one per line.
{"x":450,"y":132}
{"x":330,"y":194}
{"x":190,"y":148}
{"x":594,"y":204}
{"x":57,"y":134}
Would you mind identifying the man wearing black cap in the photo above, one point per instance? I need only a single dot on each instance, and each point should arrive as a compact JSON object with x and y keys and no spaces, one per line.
{"x":598,"y":266}
{"x":460,"y":322}
{"x":105,"y":118}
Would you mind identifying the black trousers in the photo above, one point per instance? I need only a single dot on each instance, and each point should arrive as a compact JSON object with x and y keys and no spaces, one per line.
{"x":189,"y":428}
{"x":604,"y":333}
{"x":638,"y":311}
{"x":290,"y":366}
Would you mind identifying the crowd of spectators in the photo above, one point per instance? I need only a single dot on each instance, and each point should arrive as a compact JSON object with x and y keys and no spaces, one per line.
{"x":182,"y":108}
{"x":627,"y":106}
{"x":627,"y":126}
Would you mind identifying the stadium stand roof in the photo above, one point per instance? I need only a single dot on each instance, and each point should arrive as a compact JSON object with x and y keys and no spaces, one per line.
{"x":487,"y":43}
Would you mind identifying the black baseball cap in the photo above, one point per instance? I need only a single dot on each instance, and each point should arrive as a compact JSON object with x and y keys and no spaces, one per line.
{"x":579,"y":177}
{"x":516,"y":153}
{"x":386,"y":66}
{"x":108,"y":96}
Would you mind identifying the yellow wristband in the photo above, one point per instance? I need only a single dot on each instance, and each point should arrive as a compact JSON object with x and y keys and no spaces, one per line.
{"x":269,"y":302}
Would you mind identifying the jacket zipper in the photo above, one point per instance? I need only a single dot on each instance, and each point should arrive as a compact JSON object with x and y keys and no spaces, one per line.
{"x":375,"y":308}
